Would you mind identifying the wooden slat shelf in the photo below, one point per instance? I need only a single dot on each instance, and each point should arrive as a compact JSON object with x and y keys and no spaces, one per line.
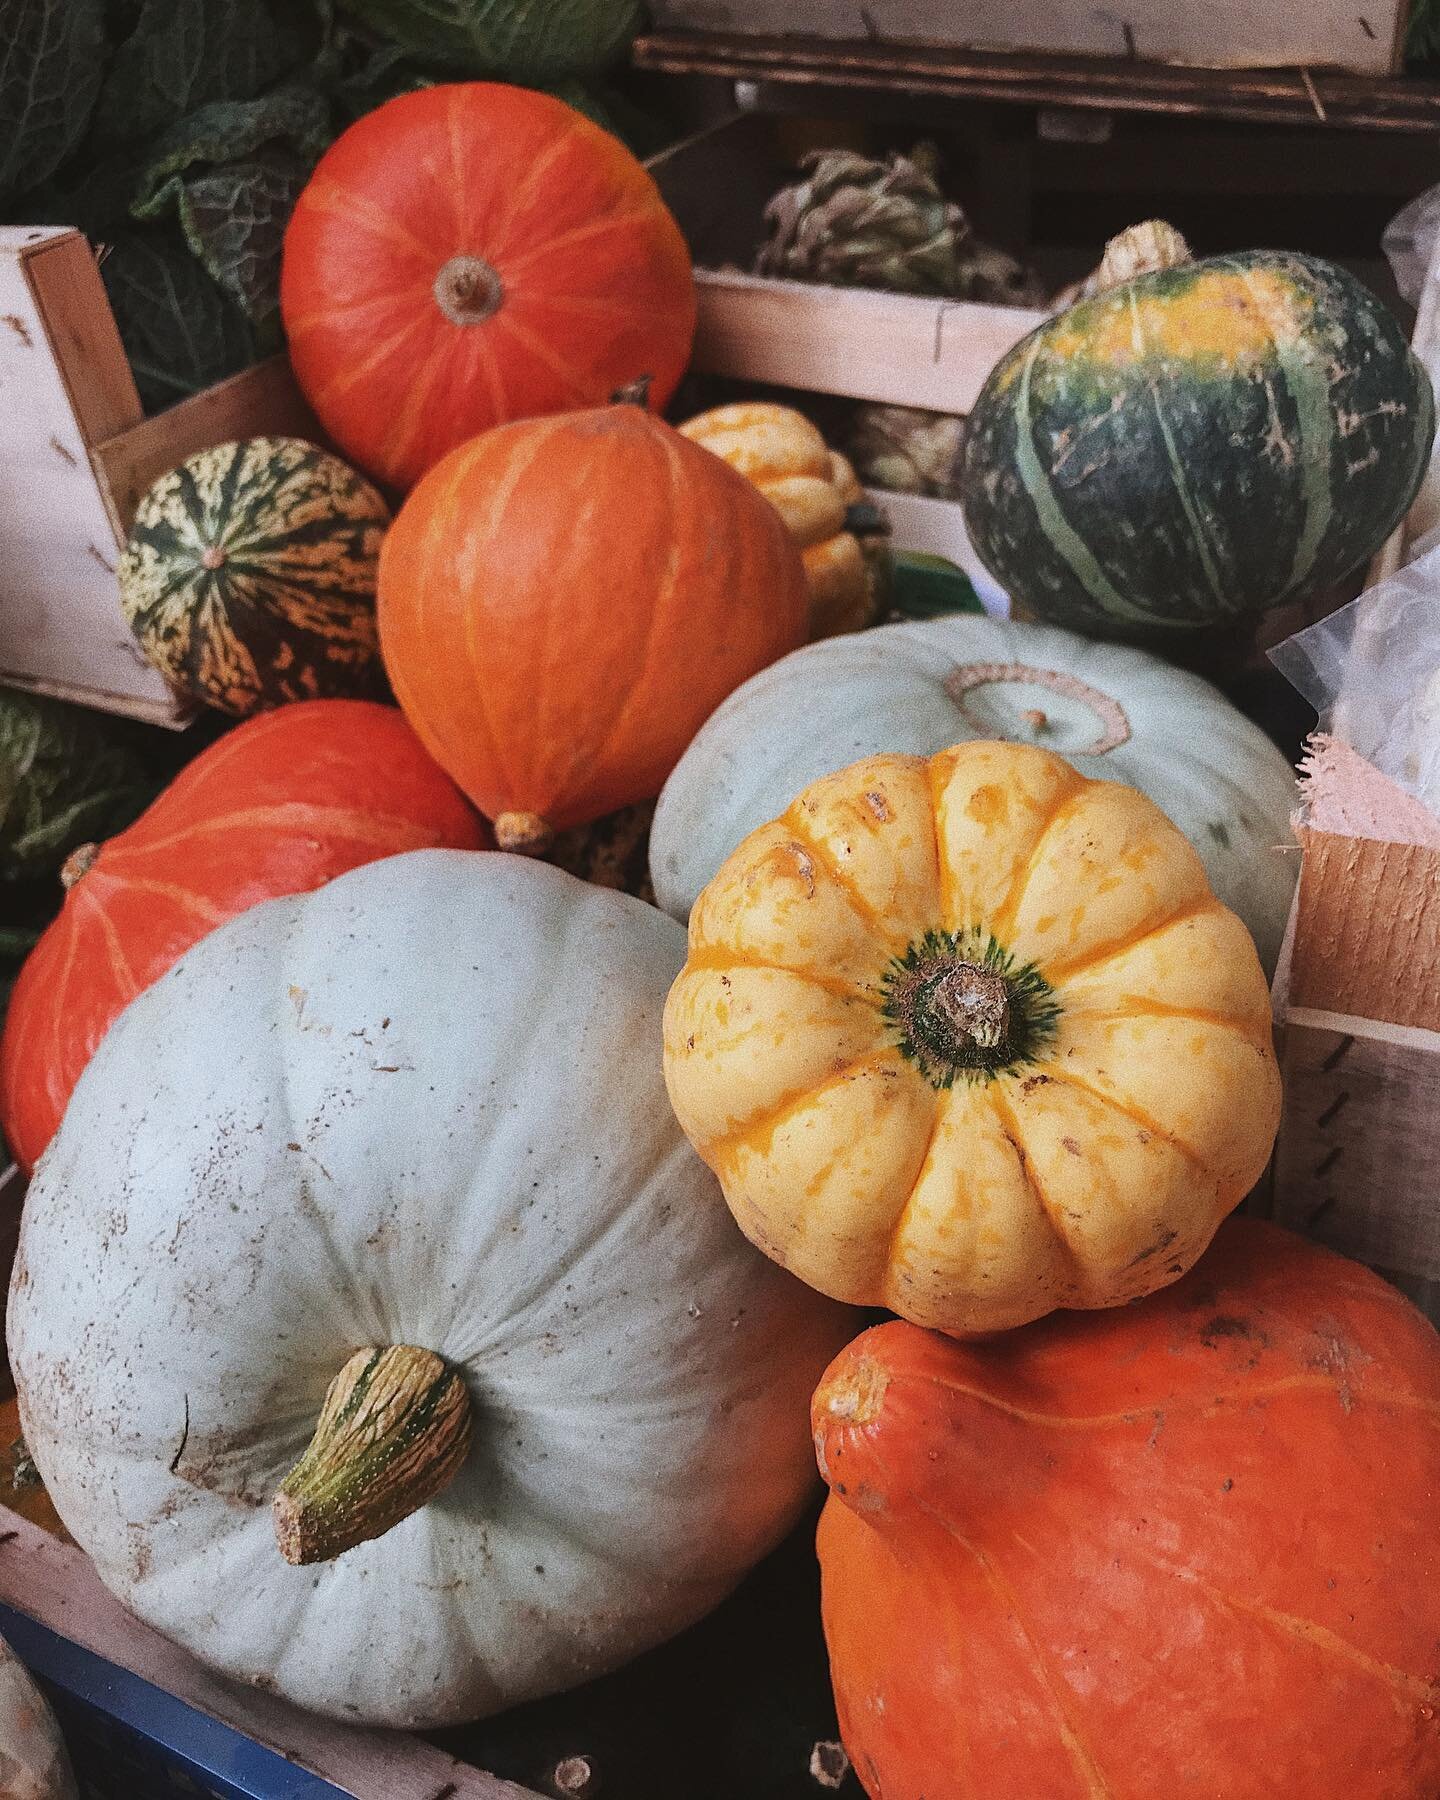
{"x":1267,"y":96}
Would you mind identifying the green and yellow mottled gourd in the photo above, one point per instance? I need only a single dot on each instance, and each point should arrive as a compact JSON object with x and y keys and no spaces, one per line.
{"x":249,"y":578}
{"x":1194,"y":444}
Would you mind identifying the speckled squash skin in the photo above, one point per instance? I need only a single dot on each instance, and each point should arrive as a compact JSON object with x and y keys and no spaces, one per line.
{"x":249,"y":577}
{"x":1191,"y":447}
{"x":837,"y":1049}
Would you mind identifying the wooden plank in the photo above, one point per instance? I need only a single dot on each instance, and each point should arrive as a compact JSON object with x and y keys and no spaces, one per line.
{"x":261,"y":401}
{"x":870,"y":346}
{"x":1367,"y":929}
{"x":55,"y":1584}
{"x":1336,"y":101}
{"x":1224,"y":34}
{"x":62,"y":373}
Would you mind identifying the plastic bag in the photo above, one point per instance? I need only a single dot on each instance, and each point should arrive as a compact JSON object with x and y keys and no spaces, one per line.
{"x":1409,"y":243}
{"x":1372,"y":672}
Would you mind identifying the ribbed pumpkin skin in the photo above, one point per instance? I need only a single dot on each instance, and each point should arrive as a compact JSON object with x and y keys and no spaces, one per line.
{"x":1184,"y":1549}
{"x":281,"y":805}
{"x":249,"y":577}
{"x":1193,"y":446}
{"x":597,"y":288}
{"x":564,"y":601}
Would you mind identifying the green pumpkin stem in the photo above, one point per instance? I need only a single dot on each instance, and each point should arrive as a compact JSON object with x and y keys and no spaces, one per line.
{"x":393,"y":1432}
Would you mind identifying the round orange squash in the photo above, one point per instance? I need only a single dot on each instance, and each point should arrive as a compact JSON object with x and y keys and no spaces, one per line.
{"x":970,"y":1037}
{"x":474,"y":253}
{"x":1187,"y":1548}
{"x":564,"y":601}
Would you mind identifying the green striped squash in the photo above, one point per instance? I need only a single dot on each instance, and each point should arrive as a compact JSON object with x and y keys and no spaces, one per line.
{"x":1190,"y":447}
{"x":249,"y":577}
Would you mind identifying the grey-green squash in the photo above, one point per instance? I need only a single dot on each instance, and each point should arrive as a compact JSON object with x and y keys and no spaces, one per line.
{"x":249,"y":576}
{"x":1194,"y":444}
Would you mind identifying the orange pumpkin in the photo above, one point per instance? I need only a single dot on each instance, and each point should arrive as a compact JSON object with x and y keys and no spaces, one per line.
{"x":1187,"y":1548}
{"x":474,"y":253}
{"x":564,"y":601}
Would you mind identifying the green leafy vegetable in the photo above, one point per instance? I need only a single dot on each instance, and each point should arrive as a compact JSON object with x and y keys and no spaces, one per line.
{"x":50,"y":69}
{"x":535,"y":41}
{"x":67,"y":777}
{"x":183,"y":54}
{"x":231,"y":172}
{"x":179,"y":331}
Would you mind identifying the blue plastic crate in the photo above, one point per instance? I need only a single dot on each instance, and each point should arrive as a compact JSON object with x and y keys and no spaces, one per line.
{"x":130,"y":1740}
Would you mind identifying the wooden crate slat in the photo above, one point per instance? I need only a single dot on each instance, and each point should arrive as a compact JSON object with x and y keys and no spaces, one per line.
{"x":1266,"y":96}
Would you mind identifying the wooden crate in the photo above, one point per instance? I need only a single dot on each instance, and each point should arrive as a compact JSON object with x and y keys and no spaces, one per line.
{"x":76,"y":453}
{"x":1365,"y":39}
{"x":1357,"y":992}
{"x":898,"y":348}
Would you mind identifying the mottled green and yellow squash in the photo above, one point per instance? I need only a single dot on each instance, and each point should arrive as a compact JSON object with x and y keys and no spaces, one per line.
{"x":249,"y":577}
{"x":1189,"y":447}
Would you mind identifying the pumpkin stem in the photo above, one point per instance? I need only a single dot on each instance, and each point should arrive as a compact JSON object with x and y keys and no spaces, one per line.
{"x":634,"y":393}
{"x":393,"y":1432}
{"x":468,"y":290}
{"x":79,"y":862}
{"x":964,"y":1009}
{"x":969,"y":1002}
{"x":522,"y":833}
{"x":1142,"y":249}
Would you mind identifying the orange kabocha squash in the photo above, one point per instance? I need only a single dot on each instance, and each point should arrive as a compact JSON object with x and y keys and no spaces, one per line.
{"x":1189,"y":1548}
{"x":474,"y":253}
{"x":280,"y":805}
{"x":564,"y":601}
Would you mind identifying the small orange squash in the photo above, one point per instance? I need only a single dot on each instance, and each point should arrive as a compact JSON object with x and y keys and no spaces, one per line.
{"x":1187,"y":1548}
{"x":564,"y":601}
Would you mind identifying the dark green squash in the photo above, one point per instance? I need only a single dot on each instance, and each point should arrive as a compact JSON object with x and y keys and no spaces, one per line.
{"x":249,"y":577}
{"x":1189,"y":447}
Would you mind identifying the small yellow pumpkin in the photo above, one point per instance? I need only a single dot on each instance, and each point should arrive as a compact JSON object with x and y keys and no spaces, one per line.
{"x":971,"y":1038}
{"x":811,"y":487}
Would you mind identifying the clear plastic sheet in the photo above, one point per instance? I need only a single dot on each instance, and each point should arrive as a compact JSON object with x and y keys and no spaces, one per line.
{"x":1372,"y":672}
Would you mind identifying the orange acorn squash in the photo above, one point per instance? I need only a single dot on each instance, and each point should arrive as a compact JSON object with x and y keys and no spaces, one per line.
{"x":563,"y":602}
{"x":1188,"y":1548}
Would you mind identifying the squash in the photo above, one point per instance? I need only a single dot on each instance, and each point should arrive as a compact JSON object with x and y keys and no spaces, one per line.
{"x":812,"y":488}
{"x":971,"y":1038}
{"x":474,"y":253}
{"x":564,"y":601}
{"x":33,"y":1761}
{"x":249,"y":576}
{"x":1187,"y":1548}
{"x":1194,"y":445}
{"x":1115,"y":713}
{"x":403,"y":1142}
{"x":283,"y":803}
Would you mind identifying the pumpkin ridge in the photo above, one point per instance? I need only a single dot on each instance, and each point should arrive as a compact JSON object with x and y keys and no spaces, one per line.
{"x":352,"y":823}
{"x":577,"y":234}
{"x":1310,"y":1631}
{"x":1198,"y":530}
{"x":1157,"y":1009}
{"x":1004,"y":917}
{"x":1083,"y":1762}
{"x":543,"y":353}
{"x":1067,"y":1078}
{"x":523,"y":192}
{"x":329,"y":198}
{"x":1059,"y":969}
{"x":943,"y":1099}
{"x":186,"y":898}
{"x":119,"y":962}
{"x":797,"y":823}
{"x":771,"y":1117}
{"x":354,"y":373}
{"x":731,"y":959}
{"x":1012,"y":1132}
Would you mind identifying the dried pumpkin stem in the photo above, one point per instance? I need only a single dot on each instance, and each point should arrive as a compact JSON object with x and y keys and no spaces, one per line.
{"x":523,"y":833}
{"x":78,"y":863}
{"x":468,"y":290}
{"x":393,"y":1432}
{"x":972,"y":1002}
{"x":1142,"y":249}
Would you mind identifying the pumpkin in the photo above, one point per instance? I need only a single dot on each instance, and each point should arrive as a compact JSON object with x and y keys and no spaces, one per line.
{"x":971,"y":1038}
{"x":1194,"y":445}
{"x":812,"y":488}
{"x":283,"y":803}
{"x":1117,"y":714}
{"x":474,"y":253}
{"x":249,"y":576}
{"x":33,"y":1762}
{"x":390,"y":1163}
{"x":563,"y":602}
{"x":1187,"y":1548}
